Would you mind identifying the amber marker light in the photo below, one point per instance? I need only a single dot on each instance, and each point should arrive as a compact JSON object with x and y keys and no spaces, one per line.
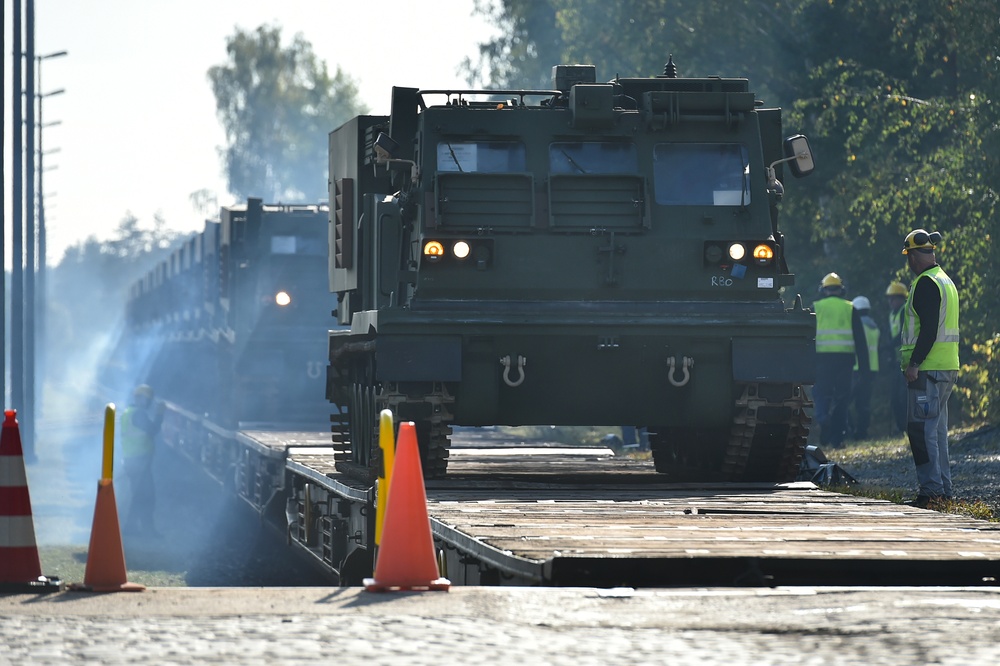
{"x":433,"y":250}
{"x":461,"y":249}
{"x":737,"y":251}
{"x":763,"y":254}
{"x":282,"y":298}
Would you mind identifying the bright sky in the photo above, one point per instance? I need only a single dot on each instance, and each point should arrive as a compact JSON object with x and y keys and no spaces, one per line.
{"x":138,"y":126}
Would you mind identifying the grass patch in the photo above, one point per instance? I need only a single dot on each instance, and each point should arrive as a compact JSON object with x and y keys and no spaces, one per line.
{"x":69,"y":564}
{"x":971,"y":508}
{"x":884,"y":466}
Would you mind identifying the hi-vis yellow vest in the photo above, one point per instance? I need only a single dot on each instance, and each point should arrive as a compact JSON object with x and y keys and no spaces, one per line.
{"x":833,"y":325}
{"x":871,"y":337}
{"x":944,"y":352}
{"x":135,"y":442}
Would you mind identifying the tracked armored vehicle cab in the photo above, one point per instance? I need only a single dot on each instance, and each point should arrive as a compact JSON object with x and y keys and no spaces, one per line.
{"x":595,"y":254}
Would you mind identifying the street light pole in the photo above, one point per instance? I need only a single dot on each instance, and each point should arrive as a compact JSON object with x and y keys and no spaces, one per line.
{"x":41,"y":304}
{"x":17,"y":228}
{"x":28,"y":419}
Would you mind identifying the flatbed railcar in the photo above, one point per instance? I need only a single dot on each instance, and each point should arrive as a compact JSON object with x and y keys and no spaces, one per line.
{"x":544,"y":514}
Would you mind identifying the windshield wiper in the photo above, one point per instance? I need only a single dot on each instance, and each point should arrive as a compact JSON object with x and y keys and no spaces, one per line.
{"x":572,"y":161}
{"x":455,"y":157}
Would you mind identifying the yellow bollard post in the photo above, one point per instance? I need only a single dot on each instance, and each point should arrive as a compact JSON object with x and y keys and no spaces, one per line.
{"x":386,"y":441}
{"x":108,"y":463}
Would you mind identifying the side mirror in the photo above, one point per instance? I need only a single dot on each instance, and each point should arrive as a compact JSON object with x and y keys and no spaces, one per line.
{"x":385,"y":148}
{"x":799,"y":155}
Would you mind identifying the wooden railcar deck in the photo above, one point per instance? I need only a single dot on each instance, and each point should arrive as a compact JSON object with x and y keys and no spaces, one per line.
{"x":563,"y":516}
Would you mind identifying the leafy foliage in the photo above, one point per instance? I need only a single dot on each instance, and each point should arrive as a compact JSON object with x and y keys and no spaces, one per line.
{"x":278,"y":104}
{"x":900,"y":99}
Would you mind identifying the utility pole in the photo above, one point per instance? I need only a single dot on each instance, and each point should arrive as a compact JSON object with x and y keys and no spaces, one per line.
{"x":3,"y":227}
{"x":17,"y":223}
{"x":28,"y":419}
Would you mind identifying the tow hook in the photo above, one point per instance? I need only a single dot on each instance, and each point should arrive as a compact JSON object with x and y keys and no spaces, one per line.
{"x":686,"y":364}
{"x":521,"y":362}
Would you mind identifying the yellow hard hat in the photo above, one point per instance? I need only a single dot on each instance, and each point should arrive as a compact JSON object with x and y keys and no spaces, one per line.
{"x":831,"y":280}
{"x":918,"y":239}
{"x":143,"y":391}
{"x":897,"y":289}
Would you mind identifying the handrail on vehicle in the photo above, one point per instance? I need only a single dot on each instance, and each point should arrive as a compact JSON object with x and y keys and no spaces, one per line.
{"x":521,"y":94}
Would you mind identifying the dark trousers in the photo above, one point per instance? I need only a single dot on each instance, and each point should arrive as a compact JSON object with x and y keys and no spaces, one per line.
{"x":861,"y":398}
{"x":139,"y":470}
{"x":832,"y":394}
{"x":897,"y":400}
{"x":635,"y":437}
{"x":927,"y":430}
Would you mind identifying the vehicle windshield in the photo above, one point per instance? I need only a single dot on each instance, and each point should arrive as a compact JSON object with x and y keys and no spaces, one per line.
{"x":701,"y":174}
{"x":481,"y":156}
{"x":299,"y":245}
{"x":593,"y":157}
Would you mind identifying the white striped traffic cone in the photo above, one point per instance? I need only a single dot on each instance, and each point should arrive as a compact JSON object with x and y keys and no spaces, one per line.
{"x":20,"y":568}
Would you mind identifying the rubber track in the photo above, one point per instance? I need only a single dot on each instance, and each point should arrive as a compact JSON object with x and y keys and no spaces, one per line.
{"x":746,"y":441}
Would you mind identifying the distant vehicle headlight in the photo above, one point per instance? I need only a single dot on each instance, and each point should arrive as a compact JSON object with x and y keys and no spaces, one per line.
{"x":461,"y":249}
{"x":282,"y":298}
{"x":737,"y":251}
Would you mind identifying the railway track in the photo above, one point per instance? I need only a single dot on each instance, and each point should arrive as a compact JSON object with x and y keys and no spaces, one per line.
{"x":546,"y":515}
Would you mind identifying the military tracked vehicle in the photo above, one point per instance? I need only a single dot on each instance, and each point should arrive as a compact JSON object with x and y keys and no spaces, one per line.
{"x":243,"y":304}
{"x":594,"y":254}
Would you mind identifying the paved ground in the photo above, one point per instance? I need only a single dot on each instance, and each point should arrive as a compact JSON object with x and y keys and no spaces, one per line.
{"x":504,"y":625}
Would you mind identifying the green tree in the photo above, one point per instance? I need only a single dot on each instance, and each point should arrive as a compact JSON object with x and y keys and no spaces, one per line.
{"x":908,"y":137}
{"x":753,"y":38}
{"x":528,"y":44}
{"x":277,"y":105}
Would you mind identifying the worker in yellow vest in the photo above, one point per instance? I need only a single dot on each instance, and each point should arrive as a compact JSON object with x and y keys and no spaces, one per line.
{"x":929,"y":360}
{"x":862,"y":382}
{"x":895,"y":294}
{"x":140,"y":422}
{"x":840,"y":338}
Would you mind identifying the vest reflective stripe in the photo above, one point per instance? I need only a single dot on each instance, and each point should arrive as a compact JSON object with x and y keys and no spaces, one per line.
{"x":871,"y":336}
{"x":944,"y":352}
{"x":135,"y":442}
{"x":833,"y":325}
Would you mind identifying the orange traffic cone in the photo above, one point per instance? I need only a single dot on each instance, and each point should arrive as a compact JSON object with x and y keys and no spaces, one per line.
{"x":406,"y":554}
{"x":20,"y":568}
{"x":106,"y":556}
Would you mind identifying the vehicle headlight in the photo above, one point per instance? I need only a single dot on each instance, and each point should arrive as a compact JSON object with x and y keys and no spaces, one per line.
{"x":282,"y":298}
{"x":433,"y":250}
{"x":737,"y":251}
{"x":763,"y":254}
{"x":461,"y":249}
